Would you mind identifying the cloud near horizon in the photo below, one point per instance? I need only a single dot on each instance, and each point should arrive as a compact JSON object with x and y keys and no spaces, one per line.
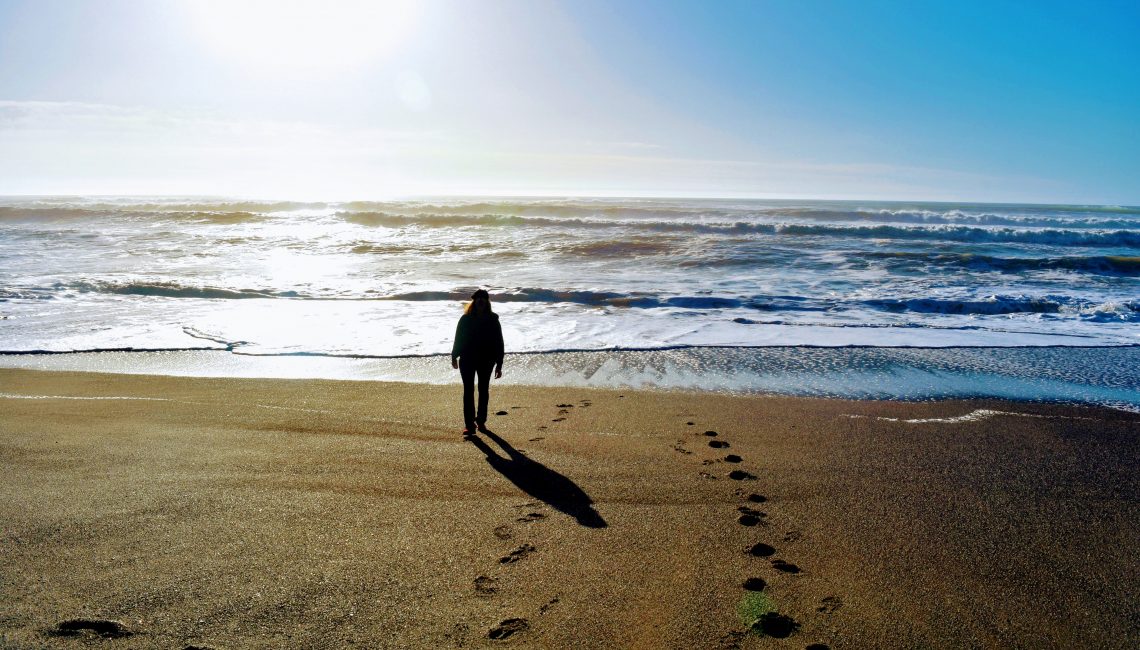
{"x":138,"y":150}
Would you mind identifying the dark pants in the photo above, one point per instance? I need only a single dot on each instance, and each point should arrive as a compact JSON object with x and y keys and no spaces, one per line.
{"x":468,"y":368}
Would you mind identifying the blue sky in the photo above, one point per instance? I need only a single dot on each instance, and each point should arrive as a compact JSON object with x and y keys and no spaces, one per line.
{"x":961,"y":101}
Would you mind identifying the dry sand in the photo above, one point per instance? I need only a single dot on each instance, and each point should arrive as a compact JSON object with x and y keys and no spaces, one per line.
{"x":234,"y":513}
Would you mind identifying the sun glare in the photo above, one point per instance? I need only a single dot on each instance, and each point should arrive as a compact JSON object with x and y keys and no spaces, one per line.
{"x":302,"y":36}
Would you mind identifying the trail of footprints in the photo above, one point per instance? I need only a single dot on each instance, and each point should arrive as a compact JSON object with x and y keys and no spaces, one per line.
{"x":771,"y":623}
{"x":486,"y":586}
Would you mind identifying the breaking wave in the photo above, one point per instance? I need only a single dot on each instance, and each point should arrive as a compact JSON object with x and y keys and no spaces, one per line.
{"x":98,"y":270}
{"x":1112,"y":311}
{"x":1021,"y":216}
{"x":169,"y":290}
{"x":1054,"y":237}
{"x":1098,"y":264}
{"x":8,"y":213}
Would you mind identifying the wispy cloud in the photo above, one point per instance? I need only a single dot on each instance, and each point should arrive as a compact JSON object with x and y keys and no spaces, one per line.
{"x":73,"y":147}
{"x":684,"y":175}
{"x":80,"y":119}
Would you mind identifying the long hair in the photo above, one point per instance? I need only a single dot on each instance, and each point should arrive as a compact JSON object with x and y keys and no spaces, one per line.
{"x":471,"y":307}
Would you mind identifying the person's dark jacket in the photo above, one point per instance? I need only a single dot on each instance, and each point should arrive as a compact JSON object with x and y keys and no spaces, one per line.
{"x":479,"y":338}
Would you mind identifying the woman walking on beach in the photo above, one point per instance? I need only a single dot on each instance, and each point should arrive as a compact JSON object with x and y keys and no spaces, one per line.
{"x":478,"y":348}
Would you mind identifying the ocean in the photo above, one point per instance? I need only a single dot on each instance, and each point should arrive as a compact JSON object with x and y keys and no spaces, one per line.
{"x":838,"y":298}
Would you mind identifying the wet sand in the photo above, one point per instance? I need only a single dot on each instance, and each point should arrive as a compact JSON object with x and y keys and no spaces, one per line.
{"x":233,"y":513}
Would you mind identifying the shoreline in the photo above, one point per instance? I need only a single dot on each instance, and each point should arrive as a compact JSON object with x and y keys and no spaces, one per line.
{"x":661,"y":348}
{"x":1097,"y":375}
{"x":262,"y":512}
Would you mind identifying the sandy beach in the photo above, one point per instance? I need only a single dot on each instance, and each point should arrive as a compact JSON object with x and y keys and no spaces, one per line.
{"x":233,"y":513}
{"x":818,"y":325}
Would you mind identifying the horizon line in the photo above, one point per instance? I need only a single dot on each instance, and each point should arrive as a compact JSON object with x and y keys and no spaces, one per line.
{"x":557,"y":195}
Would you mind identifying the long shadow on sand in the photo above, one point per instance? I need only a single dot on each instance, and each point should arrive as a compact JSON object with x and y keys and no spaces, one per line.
{"x":540,"y":481}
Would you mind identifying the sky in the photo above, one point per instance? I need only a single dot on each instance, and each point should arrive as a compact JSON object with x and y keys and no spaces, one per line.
{"x":1034,"y":101}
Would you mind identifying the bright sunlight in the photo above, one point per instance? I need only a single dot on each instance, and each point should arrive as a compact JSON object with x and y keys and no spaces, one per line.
{"x":301,"y":36}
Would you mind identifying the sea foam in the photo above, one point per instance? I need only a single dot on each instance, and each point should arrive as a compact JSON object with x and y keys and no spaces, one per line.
{"x":387,"y":279}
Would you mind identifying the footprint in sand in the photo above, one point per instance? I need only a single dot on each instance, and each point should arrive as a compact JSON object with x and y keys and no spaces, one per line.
{"x":503,"y":532}
{"x":817,"y":646}
{"x":761,"y":550}
{"x":531,"y":516}
{"x":508,"y":627}
{"x":757,"y":498}
{"x":829,"y":605}
{"x":548,"y":605}
{"x":105,"y":628}
{"x":486,"y":585}
{"x":775,"y":625}
{"x":517,"y":554}
{"x":535,"y":439}
{"x":690,"y":423}
{"x":755,"y":584}
{"x":678,"y":448}
{"x":792,"y":535}
{"x":718,"y":444}
{"x":786,"y":567}
{"x":731,"y":640}
{"x":738,"y":475}
{"x":562,"y":411}
{"x":457,"y":636}
{"x":565,"y":406}
{"x":502,"y":412}
{"x":558,"y":419}
{"x":750,"y":517}
{"x":708,"y":476}
{"x":749,"y":510}
{"x":711,"y":434}
{"x":732,"y":458}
